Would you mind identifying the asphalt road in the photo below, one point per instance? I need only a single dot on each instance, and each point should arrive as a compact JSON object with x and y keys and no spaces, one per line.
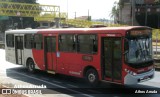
{"x":63,"y":86}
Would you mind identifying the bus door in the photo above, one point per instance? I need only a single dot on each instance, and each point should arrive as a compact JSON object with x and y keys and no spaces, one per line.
{"x":112,"y":59}
{"x":19,"y":49}
{"x":50,"y":53}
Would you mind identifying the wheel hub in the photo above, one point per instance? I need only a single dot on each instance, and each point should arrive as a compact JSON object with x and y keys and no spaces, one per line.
{"x":31,"y":66}
{"x":91,"y":77}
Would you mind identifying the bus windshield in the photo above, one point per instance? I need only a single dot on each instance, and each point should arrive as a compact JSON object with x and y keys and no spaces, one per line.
{"x":139,"y":50}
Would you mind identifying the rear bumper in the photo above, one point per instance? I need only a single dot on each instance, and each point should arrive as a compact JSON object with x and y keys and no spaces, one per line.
{"x":130,"y":79}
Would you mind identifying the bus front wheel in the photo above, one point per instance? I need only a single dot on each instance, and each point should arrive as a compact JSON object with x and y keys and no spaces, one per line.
{"x":92,"y":77}
{"x":31,"y":66}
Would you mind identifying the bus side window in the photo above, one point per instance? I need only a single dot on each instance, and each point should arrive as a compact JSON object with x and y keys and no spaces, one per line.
{"x":87,"y":44}
{"x":95,"y":44}
{"x":10,"y":40}
{"x":28,"y":41}
{"x":38,"y":41}
{"x":67,"y":42}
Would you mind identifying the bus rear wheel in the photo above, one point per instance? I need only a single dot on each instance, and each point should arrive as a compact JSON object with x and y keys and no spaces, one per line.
{"x":31,"y":66}
{"x":92,"y":77}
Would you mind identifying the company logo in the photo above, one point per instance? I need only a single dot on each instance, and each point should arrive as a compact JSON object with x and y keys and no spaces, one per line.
{"x":6,"y":91}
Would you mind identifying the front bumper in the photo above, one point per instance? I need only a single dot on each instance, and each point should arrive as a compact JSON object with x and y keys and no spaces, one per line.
{"x":131,"y":79}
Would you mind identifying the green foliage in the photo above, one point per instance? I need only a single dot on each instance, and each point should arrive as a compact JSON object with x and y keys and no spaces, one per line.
{"x":154,"y":34}
{"x":116,"y":25}
{"x":115,"y":12}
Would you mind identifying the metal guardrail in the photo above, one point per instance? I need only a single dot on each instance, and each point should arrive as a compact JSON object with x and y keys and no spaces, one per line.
{"x":157,"y":64}
{"x":29,"y":10}
{"x":156,"y":51}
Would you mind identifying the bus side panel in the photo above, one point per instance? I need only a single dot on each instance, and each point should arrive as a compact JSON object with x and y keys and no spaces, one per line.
{"x":10,"y":54}
{"x":74,"y":63}
{"x":93,"y":61}
{"x":28,"y":54}
{"x":70,"y":64}
{"x":38,"y":56}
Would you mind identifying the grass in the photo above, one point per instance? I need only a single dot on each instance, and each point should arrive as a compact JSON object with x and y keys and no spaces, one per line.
{"x":156,"y":34}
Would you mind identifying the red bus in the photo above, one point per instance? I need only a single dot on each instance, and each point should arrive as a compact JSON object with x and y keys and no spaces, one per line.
{"x":121,"y":55}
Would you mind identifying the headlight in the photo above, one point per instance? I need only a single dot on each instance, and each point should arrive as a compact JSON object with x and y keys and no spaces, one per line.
{"x":130,"y":72}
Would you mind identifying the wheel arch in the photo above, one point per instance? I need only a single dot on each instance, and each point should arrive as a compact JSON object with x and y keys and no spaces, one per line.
{"x":29,"y":58}
{"x":87,"y":68}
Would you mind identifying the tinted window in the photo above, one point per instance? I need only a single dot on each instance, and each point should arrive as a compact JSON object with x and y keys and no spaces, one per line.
{"x":67,"y":43}
{"x":10,"y":40}
{"x":87,"y":43}
{"x":38,"y":44}
{"x":28,"y":41}
{"x":19,"y":42}
{"x":51,"y":44}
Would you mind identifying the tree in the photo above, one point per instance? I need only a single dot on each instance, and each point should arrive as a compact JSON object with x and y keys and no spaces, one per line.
{"x":115,"y":12}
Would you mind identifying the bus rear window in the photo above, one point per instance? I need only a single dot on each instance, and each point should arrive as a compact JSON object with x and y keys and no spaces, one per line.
{"x":10,"y":40}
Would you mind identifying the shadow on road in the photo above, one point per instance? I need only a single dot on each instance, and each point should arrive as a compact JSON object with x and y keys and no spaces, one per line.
{"x":65,"y":84}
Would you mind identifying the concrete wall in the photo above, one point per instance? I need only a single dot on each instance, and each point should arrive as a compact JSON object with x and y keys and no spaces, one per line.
{"x":125,"y":14}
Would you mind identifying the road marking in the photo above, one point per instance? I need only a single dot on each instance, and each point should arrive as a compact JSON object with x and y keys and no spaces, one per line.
{"x":56,"y":82}
{"x":55,"y":85}
{"x":12,"y":77}
{"x":72,"y":86}
{"x":116,"y":96}
{"x":43,"y":78}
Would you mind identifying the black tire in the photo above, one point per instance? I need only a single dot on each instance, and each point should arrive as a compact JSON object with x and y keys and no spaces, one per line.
{"x":92,"y":77}
{"x":31,"y":66}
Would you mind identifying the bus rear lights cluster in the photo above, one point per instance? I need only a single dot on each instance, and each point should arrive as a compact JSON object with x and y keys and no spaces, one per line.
{"x":130,"y":72}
